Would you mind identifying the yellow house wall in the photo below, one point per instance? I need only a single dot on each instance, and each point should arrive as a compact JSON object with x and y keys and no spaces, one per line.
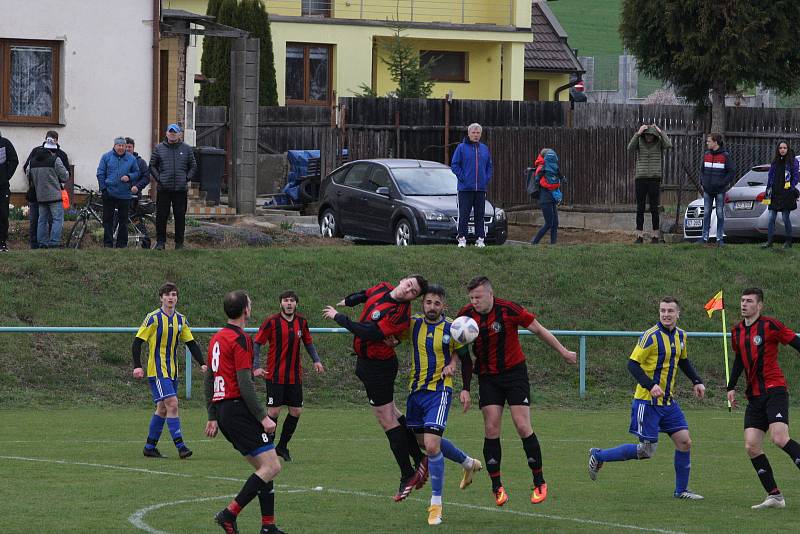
{"x":548,"y":83}
{"x":173,"y":45}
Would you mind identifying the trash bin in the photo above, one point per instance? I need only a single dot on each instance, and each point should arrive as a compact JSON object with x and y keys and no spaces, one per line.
{"x":210,"y":168}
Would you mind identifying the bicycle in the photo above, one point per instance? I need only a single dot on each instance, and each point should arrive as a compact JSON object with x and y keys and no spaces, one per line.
{"x":89,"y":214}
{"x":141,"y":224}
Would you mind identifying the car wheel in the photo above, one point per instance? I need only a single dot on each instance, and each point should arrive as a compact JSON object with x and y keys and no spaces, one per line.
{"x":328,"y":225}
{"x":501,"y":238}
{"x":403,"y":233}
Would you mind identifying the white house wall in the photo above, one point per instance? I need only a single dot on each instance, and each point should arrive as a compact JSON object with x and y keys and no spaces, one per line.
{"x":106,"y":76}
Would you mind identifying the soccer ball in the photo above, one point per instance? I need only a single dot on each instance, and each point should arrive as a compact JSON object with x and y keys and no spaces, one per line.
{"x":464,"y":330}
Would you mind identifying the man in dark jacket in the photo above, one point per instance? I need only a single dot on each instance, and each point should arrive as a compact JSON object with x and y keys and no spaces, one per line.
{"x":51,"y":144}
{"x":172,"y":164}
{"x":8,"y":165}
{"x":116,"y":174}
{"x":716,"y":177}
{"x":649,"y":144}
{"x":47,"y":174}
{"x":472,"y":165}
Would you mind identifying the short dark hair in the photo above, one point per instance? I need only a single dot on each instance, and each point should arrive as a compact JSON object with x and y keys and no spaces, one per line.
{"x":51,"y":133}
{"x":477,"y":282}
{"x":130,"y":141}
{"x":717,"y":138}
{"x":167,"y":287}
{"x":235,"y":303}
{"x":754,"y":291}
{"x":423,"y":283}
{"x":288,"y":294}
{"x":436,"y":289}
{"x":671,"y":300}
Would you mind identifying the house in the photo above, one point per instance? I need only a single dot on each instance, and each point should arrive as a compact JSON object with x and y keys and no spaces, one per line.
{"x":550,"y":64}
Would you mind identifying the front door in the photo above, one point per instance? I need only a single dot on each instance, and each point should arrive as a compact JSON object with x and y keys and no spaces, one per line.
{"x":531,"y":91}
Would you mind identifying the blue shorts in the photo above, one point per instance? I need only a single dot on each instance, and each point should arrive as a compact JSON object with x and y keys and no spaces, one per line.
{"x":162,"y":388}
{"x":427,"y":410}
{"x":648,"y":420}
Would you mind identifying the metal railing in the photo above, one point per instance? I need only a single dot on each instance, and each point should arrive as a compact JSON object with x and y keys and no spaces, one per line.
{"x":580,"y":334}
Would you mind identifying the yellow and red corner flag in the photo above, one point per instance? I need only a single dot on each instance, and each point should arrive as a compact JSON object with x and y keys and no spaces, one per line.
{"x":714,"y":304}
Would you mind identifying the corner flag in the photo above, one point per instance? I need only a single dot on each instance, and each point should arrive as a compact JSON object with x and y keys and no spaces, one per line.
{"x":717,"y":303}
{"x":714,"y":304}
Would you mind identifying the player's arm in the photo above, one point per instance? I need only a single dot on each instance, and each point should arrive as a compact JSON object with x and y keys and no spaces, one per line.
{"x":208,"y":390}
{"x":688,"y":369}
{"x":136,"y":356}
{"x":354,"y":299}
{"x":545,"y":335}
{"x":368,"y":330}
{"x":639,"y":355}
{"x":197,"y":354}
{"x":466,"y":376}
{"x":736,"y":371}
{"x":795,"y":343}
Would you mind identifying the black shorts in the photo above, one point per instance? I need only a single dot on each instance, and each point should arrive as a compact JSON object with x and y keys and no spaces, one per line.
{"x":378,"y":377}
{"x":284,"y":394}
{"x":241,"y":428}
{"x":510,"y":386}
{"x":764,"y":410}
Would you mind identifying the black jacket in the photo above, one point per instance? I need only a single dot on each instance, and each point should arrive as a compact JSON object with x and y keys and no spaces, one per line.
{"x":173,"y":165}
{"x":8,"y":162}
{"x":30,"y":196}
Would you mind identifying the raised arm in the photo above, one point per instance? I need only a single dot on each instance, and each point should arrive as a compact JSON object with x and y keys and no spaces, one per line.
{"x":545,"y":335}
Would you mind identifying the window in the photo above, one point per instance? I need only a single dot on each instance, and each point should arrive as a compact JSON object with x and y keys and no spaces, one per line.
{"x":308,"y":74}
{"x":316,"y":8}
{"x":445,"y":66}
{"x":29,"y":84}
{"x":380,"y":178}
{"x":358,"y":176}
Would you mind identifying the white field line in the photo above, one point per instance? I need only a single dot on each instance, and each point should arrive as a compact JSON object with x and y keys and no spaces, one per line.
{"x":139,"y":514}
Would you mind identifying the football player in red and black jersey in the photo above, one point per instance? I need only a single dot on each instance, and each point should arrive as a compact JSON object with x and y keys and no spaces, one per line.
{"x":233,"y":409}
{"x":386,"y":315}
{"x":755,"y":343}
{"x":503,"y":378}
{"x":282,"y":372}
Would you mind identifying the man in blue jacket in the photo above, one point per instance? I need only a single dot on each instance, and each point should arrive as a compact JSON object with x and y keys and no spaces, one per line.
{"x":472,"y":165}
{"x":716,"y":176}
{"x":116,"y":174}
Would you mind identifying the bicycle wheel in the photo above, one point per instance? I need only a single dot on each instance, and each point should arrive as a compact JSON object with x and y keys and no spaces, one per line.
{"x":78,"y":231}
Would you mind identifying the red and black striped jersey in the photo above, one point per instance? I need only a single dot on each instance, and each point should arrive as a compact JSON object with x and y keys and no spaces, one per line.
{"x":757,"y":346}
{"x":391,"y":317}
{"x":229,"y":350}
{"x":497,"y":346}
{"x":284,"y":338}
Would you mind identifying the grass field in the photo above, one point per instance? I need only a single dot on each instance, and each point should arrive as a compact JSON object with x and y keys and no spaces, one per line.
{"x":81,"y":470}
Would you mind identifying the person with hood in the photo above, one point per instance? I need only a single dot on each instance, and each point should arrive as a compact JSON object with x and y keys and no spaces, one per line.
{"x":784,"y":173}
{"x":649,"y":144}
{"x":716,"y":175}
{"x":51,"y":144}
{"x":172,"y":164}
{"x":472,"y":165}
{"x":550,"y":196}
{"x":8,"y":166}
{"x":47,"y":175}
{"x":116,"y":174}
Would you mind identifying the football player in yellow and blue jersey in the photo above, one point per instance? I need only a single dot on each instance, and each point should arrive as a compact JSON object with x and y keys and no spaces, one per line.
{"x":162,"y":329}
{"x":431,"y":387}
{"x":653,"y":363}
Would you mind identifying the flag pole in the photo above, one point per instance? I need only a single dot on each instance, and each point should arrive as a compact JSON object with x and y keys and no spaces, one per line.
{"x":725,"y":347}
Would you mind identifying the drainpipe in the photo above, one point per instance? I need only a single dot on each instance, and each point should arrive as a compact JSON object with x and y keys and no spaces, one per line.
{"x":565,"y":86}
{"x":156,"y":71}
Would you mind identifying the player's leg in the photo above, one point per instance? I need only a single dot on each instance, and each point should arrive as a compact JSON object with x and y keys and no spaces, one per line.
{"x":436,"y":470}
{"x":683,"y":463}
{"x":518,"y":393}
{"x":756,"y":423}
{"x":274,"y":402}
{"x":644,"y":425}
{"x":778,"y":419}
{"x":157,"y":421}
{"x":294,"y":399}
{"x":174,"y":426}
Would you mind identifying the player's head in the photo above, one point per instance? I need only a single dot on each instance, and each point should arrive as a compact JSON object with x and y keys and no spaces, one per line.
{"x":481,"y":295}
{"x":289,"y":301}
{"x":752,"y":302}
{"x":434,"y":302}
{"x":669,"y":311}
{"x":168,"y":293}
{"x":410,"y":288}
{"x":237,"y":305}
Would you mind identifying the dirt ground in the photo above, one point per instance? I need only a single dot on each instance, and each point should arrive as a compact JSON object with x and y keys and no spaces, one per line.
{"x":571,"y":236}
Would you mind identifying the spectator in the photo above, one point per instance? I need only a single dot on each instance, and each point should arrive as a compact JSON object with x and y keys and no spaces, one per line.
{"x":144,"y":171}
{"x":649,"y":144}
{"x":548,"y":178}
{"x":47,"y":175}
{"x":784,"y":173}
{"x":116,"y":174}
{"x":172,"y":164}
{"x":715,"y":177}
{"x":51,"y":139}
{"x":8,"y":165}
{"x":472,"y":165}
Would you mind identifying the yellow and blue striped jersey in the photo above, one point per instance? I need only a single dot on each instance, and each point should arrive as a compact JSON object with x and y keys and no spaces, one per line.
{"x":432,"y":349}
{"x":162,"y":333}
{"x":658,"y":352}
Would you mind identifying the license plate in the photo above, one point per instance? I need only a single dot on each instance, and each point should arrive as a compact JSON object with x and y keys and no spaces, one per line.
{"x":694,"y":223}
{"x":471,"y":229}
{"x":743,"y":205}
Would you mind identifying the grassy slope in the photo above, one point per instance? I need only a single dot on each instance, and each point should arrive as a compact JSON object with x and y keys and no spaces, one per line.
{"x":594,"y":287}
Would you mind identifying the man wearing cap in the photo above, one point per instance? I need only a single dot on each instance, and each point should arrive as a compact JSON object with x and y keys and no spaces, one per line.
{"x":51,"y":144}
{"x":8,"y":164}
{"x":116,"y":174}
{"x":172,"y":164}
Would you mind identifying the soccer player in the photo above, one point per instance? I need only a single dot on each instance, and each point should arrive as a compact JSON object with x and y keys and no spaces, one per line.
{"x":233,"y":409}
{"x":283,"y":374}
{"x":161,"y":330}
{"x":431,"y":387}
{"x":503,"y":378}
{"x":652,"y":364}
{"x":386,"y":313}
{"x":755,"y":344}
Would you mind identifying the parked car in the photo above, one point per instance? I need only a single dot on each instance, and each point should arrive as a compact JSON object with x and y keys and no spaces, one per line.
{"x":400,"y":201}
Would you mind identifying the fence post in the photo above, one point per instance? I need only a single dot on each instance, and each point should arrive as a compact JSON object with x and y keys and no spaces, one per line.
{"x":582,"y":366}
{"x":188,"y":370}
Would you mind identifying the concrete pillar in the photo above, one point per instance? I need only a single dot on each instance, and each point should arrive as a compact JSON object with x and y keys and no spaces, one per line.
{"x":244,"y":125}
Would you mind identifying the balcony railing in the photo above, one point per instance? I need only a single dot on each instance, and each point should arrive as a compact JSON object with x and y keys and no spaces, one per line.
{"x":496,"y":12}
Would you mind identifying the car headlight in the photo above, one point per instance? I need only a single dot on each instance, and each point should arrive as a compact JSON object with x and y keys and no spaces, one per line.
{"x":499,"y":214}
{"x":435,"y":216}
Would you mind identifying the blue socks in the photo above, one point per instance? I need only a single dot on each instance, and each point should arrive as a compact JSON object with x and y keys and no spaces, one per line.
{"x":683,"y":464}
{"x":451,"y":452}
{"x":154,"y":433}
{"x":174,"y":425}
{"x":436,"y":471}
{"x":617,"y":454}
